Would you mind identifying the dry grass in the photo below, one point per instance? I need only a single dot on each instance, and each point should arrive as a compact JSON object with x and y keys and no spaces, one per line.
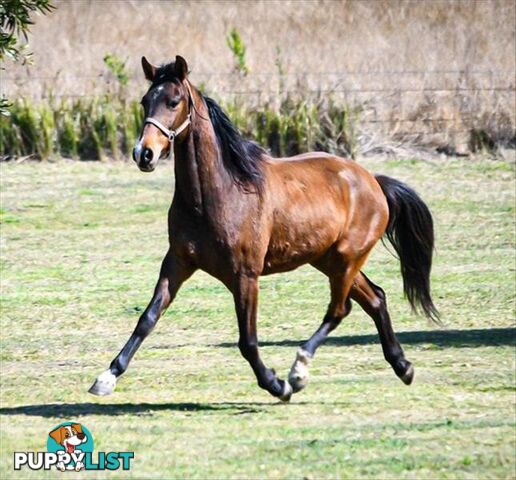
{"x":458,"y":57}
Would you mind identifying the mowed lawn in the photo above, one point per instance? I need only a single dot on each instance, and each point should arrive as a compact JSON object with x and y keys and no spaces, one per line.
{"x":81,"y":246}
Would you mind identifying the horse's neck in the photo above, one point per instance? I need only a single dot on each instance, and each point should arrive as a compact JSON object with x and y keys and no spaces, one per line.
{"x":202,"y":182}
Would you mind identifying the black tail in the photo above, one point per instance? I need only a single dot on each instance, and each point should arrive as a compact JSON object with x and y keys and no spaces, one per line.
{"x":411,"y":233}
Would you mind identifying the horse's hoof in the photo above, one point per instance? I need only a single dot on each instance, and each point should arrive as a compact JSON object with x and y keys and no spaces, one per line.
{"x":104,"y":385}
{"x":298,"y":376}
{"x":408,"y":376}
{"x":287,"y":392}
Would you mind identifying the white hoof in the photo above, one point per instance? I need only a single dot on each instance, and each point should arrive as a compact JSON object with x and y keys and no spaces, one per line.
{"x":287,"y":393}
{"x":298,"y":376}
{"x":104,"y":385}
{"x":408,"y":376}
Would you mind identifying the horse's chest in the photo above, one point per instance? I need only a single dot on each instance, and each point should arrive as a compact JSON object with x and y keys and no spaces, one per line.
{"x":199,"y":245}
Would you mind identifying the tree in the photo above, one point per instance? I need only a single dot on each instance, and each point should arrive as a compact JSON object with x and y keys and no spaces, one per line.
{"x":15,"y":20}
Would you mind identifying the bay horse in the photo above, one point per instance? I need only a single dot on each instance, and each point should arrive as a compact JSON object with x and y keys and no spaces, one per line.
{"x":238,"y":214}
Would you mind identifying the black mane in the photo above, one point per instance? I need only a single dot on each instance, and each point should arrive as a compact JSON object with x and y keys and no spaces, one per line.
{"x":241,"y":157}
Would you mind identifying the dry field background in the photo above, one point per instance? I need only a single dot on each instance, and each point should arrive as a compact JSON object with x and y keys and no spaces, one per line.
{"x":425,"y":72}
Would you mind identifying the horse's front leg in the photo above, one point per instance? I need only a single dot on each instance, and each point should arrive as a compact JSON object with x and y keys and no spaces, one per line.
{"x":173,"y":273}
{"x":246,"y":303}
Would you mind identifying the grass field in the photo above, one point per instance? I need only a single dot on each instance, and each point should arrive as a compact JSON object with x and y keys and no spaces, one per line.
{"x":81,"y":245}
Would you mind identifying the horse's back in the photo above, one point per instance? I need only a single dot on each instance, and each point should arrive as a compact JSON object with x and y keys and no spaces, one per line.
{"x":311,"y":174}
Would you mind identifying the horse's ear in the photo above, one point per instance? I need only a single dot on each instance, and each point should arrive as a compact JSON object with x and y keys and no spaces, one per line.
{"x":181,"y":67}
{"x":148,"y":69}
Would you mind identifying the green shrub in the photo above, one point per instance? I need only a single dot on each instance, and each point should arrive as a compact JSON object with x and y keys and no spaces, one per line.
{"x":117,"y":67}
{"x":237,"y":46}
{"x":108,"y":126}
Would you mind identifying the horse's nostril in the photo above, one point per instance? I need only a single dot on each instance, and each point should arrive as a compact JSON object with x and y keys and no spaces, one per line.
{"x":147,"y":155}
{"x":137,"y":152}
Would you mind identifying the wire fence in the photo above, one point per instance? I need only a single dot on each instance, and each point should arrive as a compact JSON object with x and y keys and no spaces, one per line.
{"x":406,"y":103}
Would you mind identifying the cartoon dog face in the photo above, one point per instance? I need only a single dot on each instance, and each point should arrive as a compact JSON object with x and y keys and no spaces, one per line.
{"x":69,"y":436}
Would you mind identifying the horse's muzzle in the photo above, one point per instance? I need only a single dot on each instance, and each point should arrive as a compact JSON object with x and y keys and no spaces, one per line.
{"x":144,"y":158}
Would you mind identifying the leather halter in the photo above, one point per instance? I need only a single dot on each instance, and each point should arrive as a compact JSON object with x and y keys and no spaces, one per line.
{"x":170,"y":134}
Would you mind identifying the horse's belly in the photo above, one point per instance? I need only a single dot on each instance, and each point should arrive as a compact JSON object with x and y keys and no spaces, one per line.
{"x":277,"y":265}
{"x":287,"y":252}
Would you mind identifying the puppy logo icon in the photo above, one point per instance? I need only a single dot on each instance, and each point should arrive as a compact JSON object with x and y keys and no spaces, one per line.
{"x":70,"y":448}
{"x":72,"y":439}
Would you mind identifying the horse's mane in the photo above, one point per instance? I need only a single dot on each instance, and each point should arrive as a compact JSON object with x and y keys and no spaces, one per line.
{"x":241,"y":157}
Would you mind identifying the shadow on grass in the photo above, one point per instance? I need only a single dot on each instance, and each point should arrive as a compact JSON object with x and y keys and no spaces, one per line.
{"x":73,"y":410}
{"x":482,"y":337}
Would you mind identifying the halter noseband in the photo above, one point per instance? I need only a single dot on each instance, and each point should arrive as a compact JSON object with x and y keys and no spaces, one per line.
{"x":170,"y":134}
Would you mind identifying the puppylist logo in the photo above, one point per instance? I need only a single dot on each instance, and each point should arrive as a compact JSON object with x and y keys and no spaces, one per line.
{"x":70,"y":448}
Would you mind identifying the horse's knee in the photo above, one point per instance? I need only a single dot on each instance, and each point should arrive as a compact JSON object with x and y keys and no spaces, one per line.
{"x":146,"y":323}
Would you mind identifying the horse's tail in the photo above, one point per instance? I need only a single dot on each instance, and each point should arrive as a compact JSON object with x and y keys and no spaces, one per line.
{"x":411,"y":233}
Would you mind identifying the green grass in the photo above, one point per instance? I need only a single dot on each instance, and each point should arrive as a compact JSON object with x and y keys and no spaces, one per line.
{"x":81,"y":245}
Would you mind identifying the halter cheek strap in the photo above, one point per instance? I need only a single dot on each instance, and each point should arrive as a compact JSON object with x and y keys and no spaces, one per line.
{"x":170,"y":134}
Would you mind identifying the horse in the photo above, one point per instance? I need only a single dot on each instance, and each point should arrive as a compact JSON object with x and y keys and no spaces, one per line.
{"x":238,"y":214}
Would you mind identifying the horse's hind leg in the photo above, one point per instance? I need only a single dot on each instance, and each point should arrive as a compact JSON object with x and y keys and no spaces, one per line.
{"x":173,"y":274}
{"x":372,"y":299}
{"x":339,"y":307}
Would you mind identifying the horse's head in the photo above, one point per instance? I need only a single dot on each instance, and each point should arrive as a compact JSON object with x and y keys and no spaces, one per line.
{"x":167,"y":116}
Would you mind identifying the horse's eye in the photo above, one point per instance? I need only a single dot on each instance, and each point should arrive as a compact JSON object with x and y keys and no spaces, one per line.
{"x":172,"y":103}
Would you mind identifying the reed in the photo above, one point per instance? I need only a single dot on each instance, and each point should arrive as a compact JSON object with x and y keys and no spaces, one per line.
{"x":107,"y":127}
